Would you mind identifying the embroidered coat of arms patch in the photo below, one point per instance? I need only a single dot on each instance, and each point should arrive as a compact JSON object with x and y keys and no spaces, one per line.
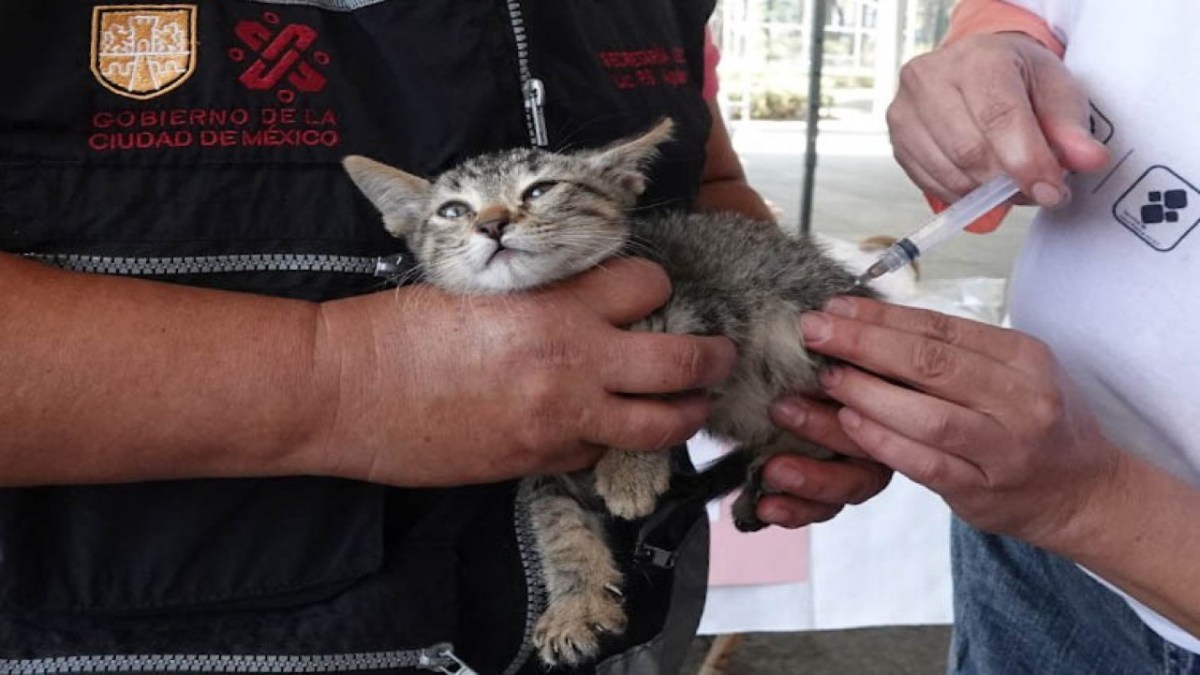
{"x":143,"y":51}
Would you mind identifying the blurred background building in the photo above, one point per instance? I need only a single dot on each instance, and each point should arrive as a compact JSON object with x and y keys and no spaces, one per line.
{"x":765,"y":53}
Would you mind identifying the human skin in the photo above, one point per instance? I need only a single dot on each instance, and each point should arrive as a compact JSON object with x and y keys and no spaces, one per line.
{"x":112,"y":380}
{"x":991,"y":103}
{"x":984,"y":417}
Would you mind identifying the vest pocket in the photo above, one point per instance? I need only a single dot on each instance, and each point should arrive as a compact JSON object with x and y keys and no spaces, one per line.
{"x":180,"y":545}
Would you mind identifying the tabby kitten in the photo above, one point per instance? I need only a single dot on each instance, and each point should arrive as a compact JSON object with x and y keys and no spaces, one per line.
{"x":511,"y":221}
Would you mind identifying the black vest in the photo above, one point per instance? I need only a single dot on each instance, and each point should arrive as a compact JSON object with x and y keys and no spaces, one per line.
{"x":199,"y":143}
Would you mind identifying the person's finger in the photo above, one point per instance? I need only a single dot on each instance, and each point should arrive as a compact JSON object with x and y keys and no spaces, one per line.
{"x":836,"y":482}
{"x":927,"y":166}
{"x":1003,"y":345}
{"x":651,"y":423}
{"x":914,"y":415}
{"x":920,"y":416}
{"x":814,"y":421}
{"x":958,"y":137}
{"x":998,"y":99}
{"x":663,"y":363}
{"x":792,"y":513}
{"x":1062,"y":112}
{"x":940,"y":471}
{"x":944,"y":371}
{"x":622,"y":290}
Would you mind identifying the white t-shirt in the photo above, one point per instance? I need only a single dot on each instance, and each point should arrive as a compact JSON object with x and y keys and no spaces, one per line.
{"x":1107,"y":280}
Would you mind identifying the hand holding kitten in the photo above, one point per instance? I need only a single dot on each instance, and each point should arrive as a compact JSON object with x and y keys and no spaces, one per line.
{"x":987,"y":419}
{"x":808,"y":490}
{"x":486,"y":388}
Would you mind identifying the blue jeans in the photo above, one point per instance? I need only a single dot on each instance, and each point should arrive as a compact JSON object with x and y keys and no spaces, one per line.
{"x":1019,"y":609}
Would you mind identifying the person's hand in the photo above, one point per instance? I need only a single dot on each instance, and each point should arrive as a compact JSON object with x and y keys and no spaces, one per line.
{"x":434,"y":389}
{"x":812,"y":490}
{"x":987,"y":104}
{"x":979,"y":414}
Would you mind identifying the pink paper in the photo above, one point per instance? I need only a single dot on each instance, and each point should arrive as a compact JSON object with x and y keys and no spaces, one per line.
{"x":770,"y":556}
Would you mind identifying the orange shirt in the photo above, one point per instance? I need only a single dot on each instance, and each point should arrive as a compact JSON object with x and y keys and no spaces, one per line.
{"x":972,"y":17}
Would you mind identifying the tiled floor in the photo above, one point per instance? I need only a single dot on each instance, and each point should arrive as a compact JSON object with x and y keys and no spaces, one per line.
{"x":908,"y":650}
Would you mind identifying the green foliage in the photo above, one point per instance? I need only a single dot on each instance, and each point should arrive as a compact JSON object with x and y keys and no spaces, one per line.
{"x":782,"y":94}
{"x":783,"y":104}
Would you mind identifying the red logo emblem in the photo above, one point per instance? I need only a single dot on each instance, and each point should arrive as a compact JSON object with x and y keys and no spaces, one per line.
{"x":284,"y":61}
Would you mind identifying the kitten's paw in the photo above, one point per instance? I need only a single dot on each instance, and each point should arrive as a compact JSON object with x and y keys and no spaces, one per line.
{"x":630,"y":483}
{"x":570,"y":631}
{"x":633,"y":502}
{"x":745,"y":512}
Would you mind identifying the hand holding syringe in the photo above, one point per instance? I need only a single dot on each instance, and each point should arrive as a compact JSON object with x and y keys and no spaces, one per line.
{"x":943,"y":226}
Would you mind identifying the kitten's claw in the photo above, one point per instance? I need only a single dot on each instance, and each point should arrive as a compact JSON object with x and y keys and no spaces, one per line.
{"x":570,"y":630}
{"x":615,"y":591}
{"x":745,"y":507}
{"x":745,"y":510}
{"x":748,"y":524}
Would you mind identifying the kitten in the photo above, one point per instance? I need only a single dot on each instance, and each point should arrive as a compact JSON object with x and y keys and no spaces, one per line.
{"x":514,"y":220}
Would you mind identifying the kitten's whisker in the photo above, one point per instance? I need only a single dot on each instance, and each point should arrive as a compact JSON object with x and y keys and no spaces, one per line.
{"x":474,"y":310}
{"x":568,"y":142}
{"x":637,"y":244}
{"x":650,"y":206}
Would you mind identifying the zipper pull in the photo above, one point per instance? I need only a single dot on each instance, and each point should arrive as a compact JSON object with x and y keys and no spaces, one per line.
{"x":440,"y":658}
{"x":653,"y":555}
{"x":535,"y":103}
{"x":388,"y":266}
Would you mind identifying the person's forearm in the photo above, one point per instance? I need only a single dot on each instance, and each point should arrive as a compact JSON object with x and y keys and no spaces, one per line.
{"x":723,"y":186}
{"x":111,"y":380}
{"x":1141,"y":533}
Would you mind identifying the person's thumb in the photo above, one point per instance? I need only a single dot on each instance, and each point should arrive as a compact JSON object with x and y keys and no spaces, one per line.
{"x":1063,"y":113}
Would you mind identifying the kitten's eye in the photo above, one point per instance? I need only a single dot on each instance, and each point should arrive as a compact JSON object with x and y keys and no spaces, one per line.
{"x":453,"y":210}
{"x":538,"y":189}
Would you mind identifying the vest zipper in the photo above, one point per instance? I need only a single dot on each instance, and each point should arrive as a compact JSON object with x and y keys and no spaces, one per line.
{"x":389,"y":267}
{"x":532,"y":89}
{"x":439,"y":658}
{"x":536,"y":597}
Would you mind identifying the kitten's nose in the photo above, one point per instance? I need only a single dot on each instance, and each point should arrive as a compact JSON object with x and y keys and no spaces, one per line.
{"x":493,"y":228}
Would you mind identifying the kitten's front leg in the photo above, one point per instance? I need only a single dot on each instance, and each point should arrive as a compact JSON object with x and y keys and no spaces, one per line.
{"x":630,"y":483}
{"x":582,"y":580}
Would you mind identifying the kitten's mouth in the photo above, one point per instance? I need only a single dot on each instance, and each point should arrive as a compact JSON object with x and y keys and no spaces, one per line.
{"x":502,"y":253}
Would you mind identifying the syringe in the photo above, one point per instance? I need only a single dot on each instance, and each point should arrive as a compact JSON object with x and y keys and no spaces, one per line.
{"x":943,"y":226}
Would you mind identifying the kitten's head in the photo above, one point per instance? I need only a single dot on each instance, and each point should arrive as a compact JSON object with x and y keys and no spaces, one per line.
{"x":517,"y":219}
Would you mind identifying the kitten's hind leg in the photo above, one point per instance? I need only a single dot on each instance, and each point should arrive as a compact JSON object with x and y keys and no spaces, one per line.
{"x":745,"y":507}
{"x":582,"y":580}
{"x":630,"y":483}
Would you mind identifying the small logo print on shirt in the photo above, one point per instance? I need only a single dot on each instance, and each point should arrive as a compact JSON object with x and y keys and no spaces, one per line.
{"x":1161,"y":208}
{"x":652,"y":67}
{"x":143,"y":51}
{"x":1101,"y":127}
{"x":279,"y":57}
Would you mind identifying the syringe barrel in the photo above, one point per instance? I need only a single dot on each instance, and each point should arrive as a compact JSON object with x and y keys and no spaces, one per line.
{"x":960,"y":214}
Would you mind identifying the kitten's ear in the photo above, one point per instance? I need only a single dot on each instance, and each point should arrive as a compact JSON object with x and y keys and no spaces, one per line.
{"x":399,"y":196}
{"x":631,"y":157}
